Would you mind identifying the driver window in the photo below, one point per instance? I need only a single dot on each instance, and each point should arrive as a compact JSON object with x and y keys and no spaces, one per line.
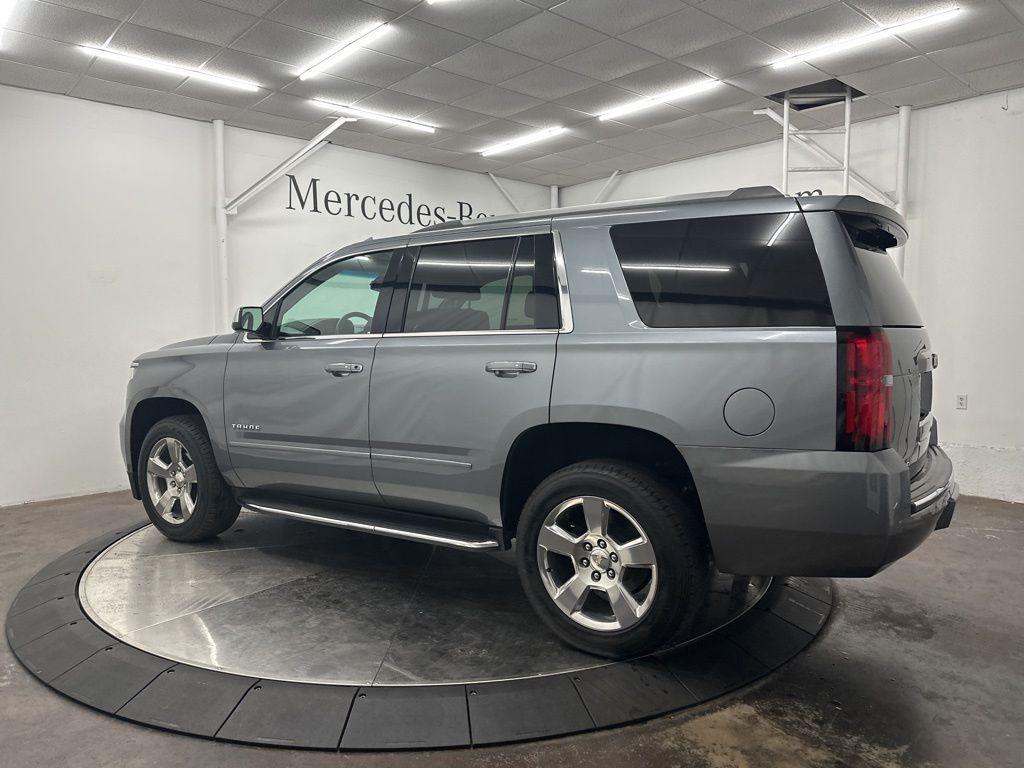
{"x":340,"y":299}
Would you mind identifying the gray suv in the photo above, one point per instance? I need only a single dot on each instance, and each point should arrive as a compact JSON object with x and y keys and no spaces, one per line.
{"x":637,"y":393}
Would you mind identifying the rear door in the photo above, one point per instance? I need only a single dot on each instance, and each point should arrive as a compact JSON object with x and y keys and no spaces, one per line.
{"x":465,"y":367}
{"x":296,"y":405}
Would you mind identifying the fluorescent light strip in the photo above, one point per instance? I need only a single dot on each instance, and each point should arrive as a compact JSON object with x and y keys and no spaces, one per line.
{"x":368,"y":115}
{"x":677,"y":268}
{"x":171,"y":69}
{"x":343,"y":50}
{"x":661,"y":98}
{"x":782,"y":226}
{"x":870,"y":37}
{"x":522,"y":141}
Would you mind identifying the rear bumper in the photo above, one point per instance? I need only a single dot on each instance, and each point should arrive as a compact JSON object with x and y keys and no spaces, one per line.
{"x":818,"y":513}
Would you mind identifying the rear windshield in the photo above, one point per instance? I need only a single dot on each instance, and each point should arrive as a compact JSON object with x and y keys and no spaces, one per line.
{"x":871,"y":236}
{"x":727,"y":271}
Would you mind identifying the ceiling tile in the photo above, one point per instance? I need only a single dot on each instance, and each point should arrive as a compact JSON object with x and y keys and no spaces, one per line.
{"x":741,"y":114}
{"x":670,"y":153}
{"x":330,"y":88}
{"x":614,"y":17}
{"x":418,"y":41}
{"x":555,"y":179}
{"x":548,"y":115}
{"x":863,"y":108}
{"x":719,"y":97}
{"x":245,"y":66}
{"x":398,"y":104}
{"x":653,"y":115}
{"x":996,"y":78}
{"x":666,"y":76}
{"x":280,"y":43}
{"x":520,"y":172}
{"x":438,"y":85}
{"x":769,"y":80}
{"x":143,"y":98}
{"x":887,"y":13}
{"x":430,"y":154}
{"x":551,"y":163}
{"x":455,"y":119}
{"x":886,"y":51}
{"x":338,"y":19}
{"x":476,"y":19}
{"x":286,"y":105}
{"x":546,"y":37}
{"x":382,"y":145}
{"x":597,"y":99}
{"x":991,"y":51}
{"x":193,"y":18}
{"x":154,"y":44}
{"x":487,"y":62}
{"x":626,"y":163}
{"x":373,"y":68}
{"x":40,"y":52}
{"x":687,"y":128}
{"x":751,"y":15}
{"x":588,"y":153}
{"x":462,"y":143}
{"x":37,"y":78}
{"x":416,"y":137}
{"x":821,"y":27}
{"x":258,"y":121}
{"x":112,"y":9}
{"x":255,"y":7}
{"x":595,"y":130}
{"x":892,"y":76}
{"x":548,"y":82}
{"x":496,"y":101}
{"x":114,"y":72}
{"x":926,"y":94}
{"x":732,"y":57}
{"x":206,"y":91}
{"x":608,"y":60}
{"x":681,"y":33}
{"x":722,"y":140}
{"x":497,"y":131}
{"x":637,"y":140}
{"x":478,"y":164}
{"x":61,"y":24}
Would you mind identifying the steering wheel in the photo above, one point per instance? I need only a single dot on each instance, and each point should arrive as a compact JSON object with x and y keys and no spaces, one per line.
{"x":345,"y":325}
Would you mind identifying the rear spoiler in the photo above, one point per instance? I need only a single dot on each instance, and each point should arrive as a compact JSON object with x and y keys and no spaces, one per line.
{"x":868,"y":223}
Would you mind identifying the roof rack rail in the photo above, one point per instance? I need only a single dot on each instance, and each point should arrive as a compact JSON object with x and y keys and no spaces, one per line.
{"x":452,"y":224}
{"x":756,"y":192}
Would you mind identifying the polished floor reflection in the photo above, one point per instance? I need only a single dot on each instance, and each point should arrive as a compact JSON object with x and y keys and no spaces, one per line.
{"x":278,"y":599}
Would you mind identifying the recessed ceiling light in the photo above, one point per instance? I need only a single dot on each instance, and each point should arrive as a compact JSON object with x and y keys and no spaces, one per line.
{"x":343,"y":50}
{"x":369,"y":115}
{"x":172,"y":69}
{"x":661,"y":98}
{"x":870,"y":37}
{"x":522,"y":141}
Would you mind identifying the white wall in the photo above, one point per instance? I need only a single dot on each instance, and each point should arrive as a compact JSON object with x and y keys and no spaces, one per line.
{"x":965,"y":257}
{"x":107,"y":247}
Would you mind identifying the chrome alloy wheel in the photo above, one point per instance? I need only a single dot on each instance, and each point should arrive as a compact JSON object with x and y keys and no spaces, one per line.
{"x":597,"y":563}
{"x":171,"y":480}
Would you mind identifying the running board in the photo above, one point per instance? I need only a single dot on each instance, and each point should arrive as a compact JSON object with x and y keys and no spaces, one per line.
{"x":397,"y":525}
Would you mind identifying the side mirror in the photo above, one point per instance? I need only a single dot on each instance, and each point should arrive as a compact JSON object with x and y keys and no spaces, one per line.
{"x":248,"y":319}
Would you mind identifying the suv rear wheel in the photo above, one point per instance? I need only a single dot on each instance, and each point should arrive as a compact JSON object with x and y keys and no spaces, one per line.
{"x":611,"y":558}
{"x":182,"y":489}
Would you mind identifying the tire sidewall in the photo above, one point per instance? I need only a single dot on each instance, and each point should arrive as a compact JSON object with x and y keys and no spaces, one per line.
{"x":206,"y":476}
{"x":666,"y":610}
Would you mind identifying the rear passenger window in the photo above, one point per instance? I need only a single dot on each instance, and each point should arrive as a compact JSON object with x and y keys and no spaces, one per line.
{"x":727,"y":271}
{"x":483,"y":285}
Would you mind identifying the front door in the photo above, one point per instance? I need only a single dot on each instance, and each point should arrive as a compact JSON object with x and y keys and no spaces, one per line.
{"x":467,"y":370}
{"x":296,"y":404}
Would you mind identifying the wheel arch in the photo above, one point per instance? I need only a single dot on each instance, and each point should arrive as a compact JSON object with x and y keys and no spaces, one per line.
{"x":144,"y":415}
{"x":546,"y":448}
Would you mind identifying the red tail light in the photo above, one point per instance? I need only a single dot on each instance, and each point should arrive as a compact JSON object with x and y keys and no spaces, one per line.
{"x":864,"y":390}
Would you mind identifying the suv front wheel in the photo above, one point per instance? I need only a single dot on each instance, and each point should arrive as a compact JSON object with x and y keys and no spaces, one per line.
{"x":611,"y":558}
{"x":183,"y":491}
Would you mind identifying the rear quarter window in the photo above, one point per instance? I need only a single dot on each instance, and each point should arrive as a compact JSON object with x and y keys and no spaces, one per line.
{"x":726,"y":271}
{"x":870,"y":237}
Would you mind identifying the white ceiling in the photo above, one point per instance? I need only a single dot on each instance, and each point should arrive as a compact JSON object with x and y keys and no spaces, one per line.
{"x":483,"y":71}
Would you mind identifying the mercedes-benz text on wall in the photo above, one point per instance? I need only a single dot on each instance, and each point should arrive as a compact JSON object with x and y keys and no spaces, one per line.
{"x":406,"y":210}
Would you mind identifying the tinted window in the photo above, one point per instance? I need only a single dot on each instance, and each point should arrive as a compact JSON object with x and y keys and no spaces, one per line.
{"x":483,"y":285}
{"x":727,"y":271}
{"x":342,"y":298}
{"x":870,"y":237}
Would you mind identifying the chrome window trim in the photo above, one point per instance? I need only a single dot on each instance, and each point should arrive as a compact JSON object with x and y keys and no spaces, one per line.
{"x":513,"y":332}
{"x":247,"y":339}
{"x":564,"y":305}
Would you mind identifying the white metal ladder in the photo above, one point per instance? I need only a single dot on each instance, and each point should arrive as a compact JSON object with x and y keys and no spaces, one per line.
{"x":788,"y":131}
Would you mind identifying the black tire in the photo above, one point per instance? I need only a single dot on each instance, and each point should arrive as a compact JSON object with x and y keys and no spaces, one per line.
{"x":215,"y":508}
{"x":674,"y":529}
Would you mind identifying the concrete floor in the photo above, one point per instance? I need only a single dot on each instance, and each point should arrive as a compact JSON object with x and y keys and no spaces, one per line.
{"x":921,"y":665}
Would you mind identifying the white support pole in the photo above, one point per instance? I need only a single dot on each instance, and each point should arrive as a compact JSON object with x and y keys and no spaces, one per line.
{"x":823,"y":153}
{"x":785,"y":144}
{"x":504,"y":191}
{"x":846,"y":140}
{"x":223,"y":312}
{"x":554,"y":195}
{"x":315,"y":144}
{"x":599,"y":197}
{"x":902,"y":174}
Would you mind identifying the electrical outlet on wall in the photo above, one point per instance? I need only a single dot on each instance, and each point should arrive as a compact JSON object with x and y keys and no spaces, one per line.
{"x":961,"y":402}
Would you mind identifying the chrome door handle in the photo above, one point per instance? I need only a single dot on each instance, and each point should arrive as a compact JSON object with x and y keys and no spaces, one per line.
{"x":510,"y":369}
{"x":343,"y":369}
